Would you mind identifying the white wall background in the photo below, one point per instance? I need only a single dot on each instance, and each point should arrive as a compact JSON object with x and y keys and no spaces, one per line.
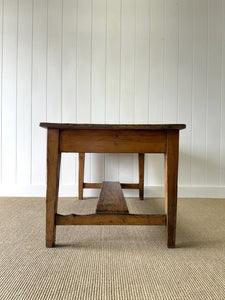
{"x":112,"y":61}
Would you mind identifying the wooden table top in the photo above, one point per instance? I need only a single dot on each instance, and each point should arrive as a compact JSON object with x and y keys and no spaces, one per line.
{"x":79,"y":126}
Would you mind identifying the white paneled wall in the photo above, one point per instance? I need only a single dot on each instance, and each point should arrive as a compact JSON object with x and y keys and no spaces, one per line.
{"x":112,"y":61}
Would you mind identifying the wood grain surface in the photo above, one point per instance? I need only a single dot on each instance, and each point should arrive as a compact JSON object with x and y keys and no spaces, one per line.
{"x":111,"y":199}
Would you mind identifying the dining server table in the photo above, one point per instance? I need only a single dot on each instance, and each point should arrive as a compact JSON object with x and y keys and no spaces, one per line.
{"x":112,"y":138}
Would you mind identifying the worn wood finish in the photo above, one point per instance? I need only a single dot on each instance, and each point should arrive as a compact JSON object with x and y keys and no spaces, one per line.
{"x":111,"y":199}
{"x":171,"y":172}
{"x":114,"y":126}
{"x":129,"y":185}
{"x":87,"y":185}
{"x":112,"y":141}
{"x":53,"y":169}
{"x":111,"y":219}
{"x":94,"y":138}
{"x":81,"y":174}
{"x":141,"y":163}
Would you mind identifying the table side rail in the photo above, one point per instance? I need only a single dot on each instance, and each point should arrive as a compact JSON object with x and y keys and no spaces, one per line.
{"x":113,"y":141}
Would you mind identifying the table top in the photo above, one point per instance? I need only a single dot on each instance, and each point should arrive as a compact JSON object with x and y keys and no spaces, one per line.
{"x":80,"y":126}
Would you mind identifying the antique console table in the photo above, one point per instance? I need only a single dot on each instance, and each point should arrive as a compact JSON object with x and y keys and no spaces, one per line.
{"x":111,"y":208}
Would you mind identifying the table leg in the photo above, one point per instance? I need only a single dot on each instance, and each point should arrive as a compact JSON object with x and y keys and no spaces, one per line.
{"x":141,"y":175}
{"x":53,"y":169}
{"x":171,"y":172}
{"x":81,"y":175}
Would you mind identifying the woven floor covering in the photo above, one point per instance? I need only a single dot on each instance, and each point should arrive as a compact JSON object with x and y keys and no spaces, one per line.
{"x":112,"y":262}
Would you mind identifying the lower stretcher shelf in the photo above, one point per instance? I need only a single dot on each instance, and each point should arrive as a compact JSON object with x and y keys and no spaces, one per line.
{"x":111,"y":210}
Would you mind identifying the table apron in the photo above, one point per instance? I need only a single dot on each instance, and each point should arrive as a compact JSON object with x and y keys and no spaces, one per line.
{"x":113,"y":141}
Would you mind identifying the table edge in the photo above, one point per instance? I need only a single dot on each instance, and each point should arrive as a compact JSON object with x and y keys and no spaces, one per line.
{"x":80,"y":126}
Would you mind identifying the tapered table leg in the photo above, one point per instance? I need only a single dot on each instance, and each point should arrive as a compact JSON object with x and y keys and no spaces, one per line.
{"x":81,"y":175}
{"x":171,"y":173}
{"x":53,"y":169}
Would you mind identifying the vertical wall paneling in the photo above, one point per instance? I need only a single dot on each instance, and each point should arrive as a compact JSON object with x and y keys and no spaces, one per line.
{"x":141,"y":81}
{"x":98,"y":86}
{"x":113,"y":27}
{"x":113,"y":57}
{"x":127,"y":61}
{"x":69,"y":61}
{"x":84,"y":58}
{"x":39,"y":88}
{"x":156,"y":61}
{"x":222,"y":126}
{"x":9,"y":92}
{"x":120,"y":61}
{"x":1,"y":61}
{"x":84,"y":61}
{"x":185,"y":83}
{"x":198,"y":134}
{"x":98,"y":61}
{"x":142,"y":61}
{"x":214,"y":92}
{"x":156,"y":84}
{"x":69,"y":48}
{"x":54,"y":62}
{"x":127,"y":80}
{"x":24,"y":77}
{"x":170,"y":105}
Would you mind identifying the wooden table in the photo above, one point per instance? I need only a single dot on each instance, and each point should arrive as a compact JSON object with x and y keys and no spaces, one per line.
{"x":96,"y":138}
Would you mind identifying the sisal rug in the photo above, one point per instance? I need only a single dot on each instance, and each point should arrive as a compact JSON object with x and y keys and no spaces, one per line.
{"x":112,"y":262}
